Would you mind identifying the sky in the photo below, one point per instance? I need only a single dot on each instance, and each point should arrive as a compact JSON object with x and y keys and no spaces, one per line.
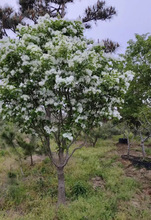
{"x":133,"y":16}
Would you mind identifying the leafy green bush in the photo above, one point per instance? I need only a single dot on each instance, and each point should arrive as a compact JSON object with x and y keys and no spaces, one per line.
{"x":79,"y":189}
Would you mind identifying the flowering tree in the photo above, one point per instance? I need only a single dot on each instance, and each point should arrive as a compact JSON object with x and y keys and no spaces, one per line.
{"x":55,"y":84}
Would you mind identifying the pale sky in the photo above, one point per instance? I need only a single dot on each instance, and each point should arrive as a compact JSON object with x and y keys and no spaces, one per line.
{"x":133,"y":16}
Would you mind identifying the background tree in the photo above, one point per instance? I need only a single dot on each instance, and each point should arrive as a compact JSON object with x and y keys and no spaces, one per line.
{"x":129,"y":134}
{"x":9,"y":136}
{"x":29,"y":145}
{"x":144,"y":130}
{"x":14,"y":139}
{"x":104,"y":130}
{"x":57,"y":84}
{"x":137,"y":59}
{"x":32,"y":9}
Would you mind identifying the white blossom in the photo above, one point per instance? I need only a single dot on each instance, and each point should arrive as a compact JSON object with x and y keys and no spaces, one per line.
{"x":68,"y":136}
{"x":49,"y":102}
{"x":47,"y":129}
{"x":50,"y":130}
{"x":41,"y":83}
{"x":40,"y":109}
{"x":25,"y":97}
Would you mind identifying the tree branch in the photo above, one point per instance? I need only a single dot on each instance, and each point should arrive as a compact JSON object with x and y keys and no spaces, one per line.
{"x":75,"y":149}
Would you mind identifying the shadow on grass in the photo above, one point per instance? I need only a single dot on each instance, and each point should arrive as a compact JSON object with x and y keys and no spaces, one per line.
{"x":138,"y":162}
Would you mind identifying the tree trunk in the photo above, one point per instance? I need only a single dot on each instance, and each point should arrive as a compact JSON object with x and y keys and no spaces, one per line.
{"x":63,"y":10}
{"x":128,"y":149}
{"x":31,"y":160}
{"x":142,"y":145}
{"x":143,"y":149}
{"x":61,"y":186}
{"x":95,"y":141}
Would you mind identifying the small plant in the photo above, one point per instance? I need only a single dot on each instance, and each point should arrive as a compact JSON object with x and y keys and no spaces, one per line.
{"x":16,"y":194}
{"x":46,"y":160}
{"x":2,"y":153}
{"x":41,"y":183}
{"x":12,"y":178}
{"x":79,"y":189}
{"x":12,"y":174}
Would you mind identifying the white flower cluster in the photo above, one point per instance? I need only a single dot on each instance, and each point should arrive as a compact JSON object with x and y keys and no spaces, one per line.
{"x":50,"y":130}
{"x":67,"y":80}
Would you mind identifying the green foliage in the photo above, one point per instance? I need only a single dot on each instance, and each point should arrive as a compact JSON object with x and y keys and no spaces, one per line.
{"x":79,"y":189}
{"x":107,"y":130}
{"x":29,"y":145}
{"x":104,"y":131}
{"x":12,"y":178}
{"x":95,"y":207}
{"x":148,"y":151}
{"x":8,"y":135}
{"x":138,"y":59}
{"x":16,"y":140}
{"x":2,"y":153}
{"x":16,"y":194}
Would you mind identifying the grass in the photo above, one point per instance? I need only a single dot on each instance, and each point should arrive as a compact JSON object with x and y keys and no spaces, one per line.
{"x":34,"y":195}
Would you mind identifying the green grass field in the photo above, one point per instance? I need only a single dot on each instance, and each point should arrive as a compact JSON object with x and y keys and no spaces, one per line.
{"x":97,"y":188}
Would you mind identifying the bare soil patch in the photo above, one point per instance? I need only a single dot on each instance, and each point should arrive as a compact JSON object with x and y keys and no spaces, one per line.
{"x":98,"y":182}
{"x":36,"y":158}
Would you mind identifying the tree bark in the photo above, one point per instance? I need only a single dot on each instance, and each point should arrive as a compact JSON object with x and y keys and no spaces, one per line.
{"x":61,"y":186}
{"x":95,"y":141}
{"x":143,"y":149}
{"x":31,"y":160}
{"x":62,"y":10}
{"x":128,"y":149}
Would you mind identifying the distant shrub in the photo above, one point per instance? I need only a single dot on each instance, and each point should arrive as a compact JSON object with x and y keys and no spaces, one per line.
{"x":107,"y":130}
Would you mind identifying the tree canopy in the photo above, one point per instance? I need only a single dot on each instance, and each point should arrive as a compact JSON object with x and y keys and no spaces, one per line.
{"x":52,"y":67}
